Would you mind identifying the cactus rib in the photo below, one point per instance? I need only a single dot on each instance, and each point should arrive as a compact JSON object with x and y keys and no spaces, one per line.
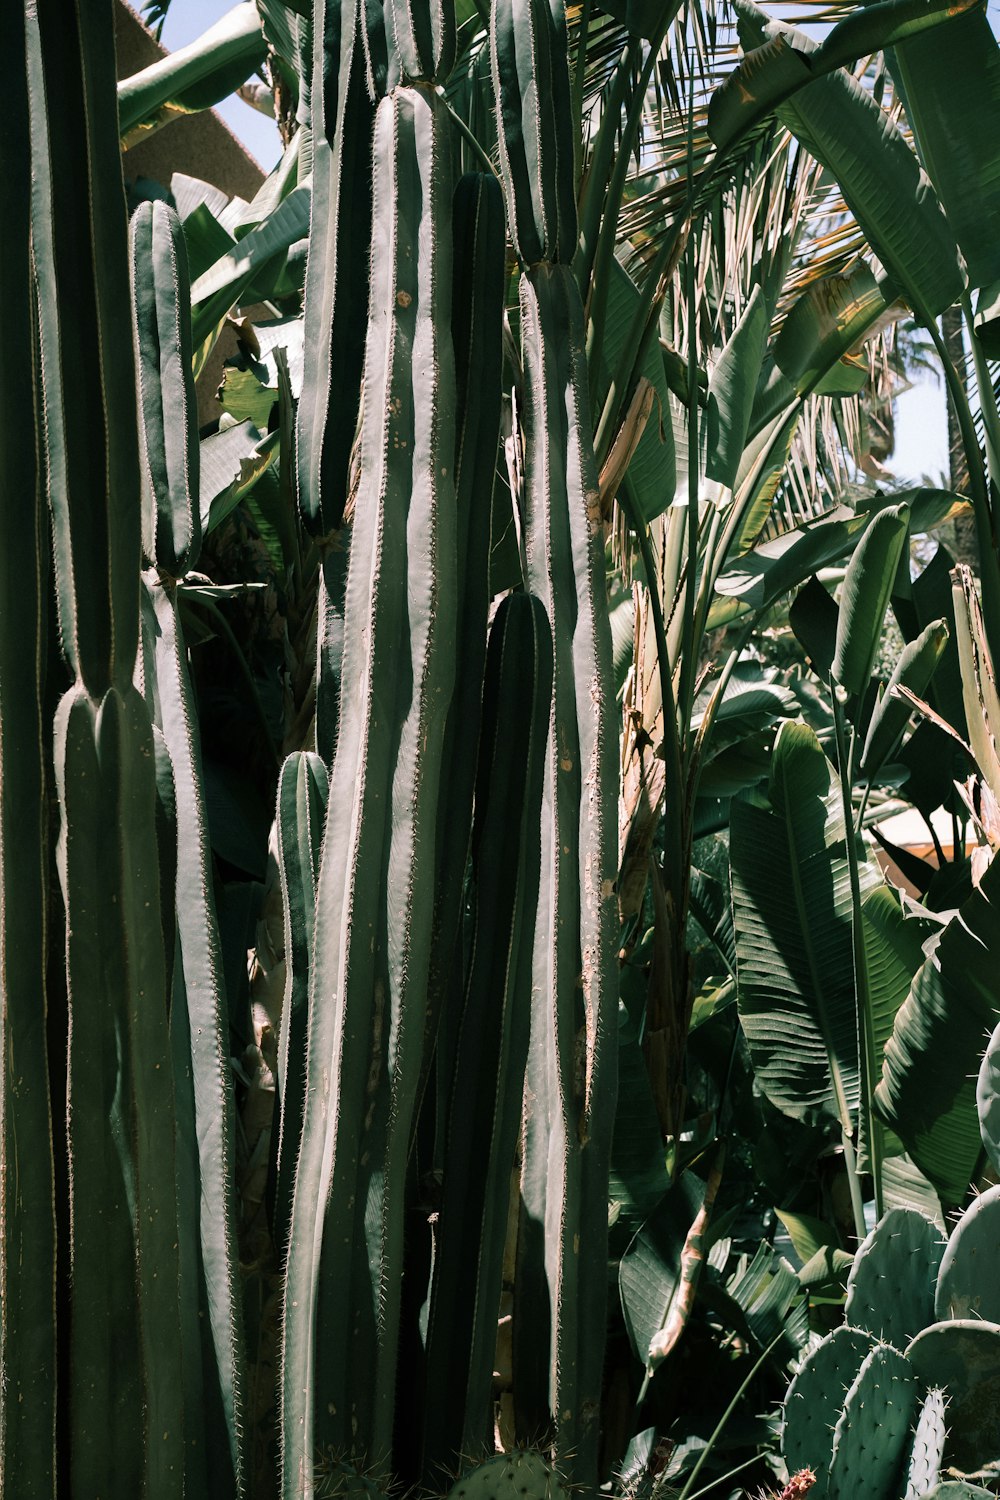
{"x":126,"y":1414}
{"x":302,"y":795}
{"x":85,"y":340}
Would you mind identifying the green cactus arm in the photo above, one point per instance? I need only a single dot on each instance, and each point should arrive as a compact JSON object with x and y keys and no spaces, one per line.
{"x":815,"y":1397}
{"x":85,"y":339}
{"x":27,"y":1209}
{"x":200,"y":981}
{"x":535,"y":127}
{"x":420,"y":38}
{"x":168,"y":412}
{"x":571,"y":1084}
{"x":302,"y":795}
{"x":125,"y":1409}
{"x":337,"y":266}
{"x":492,"y":1046}
{"x":368,"y":987}
{"x":966,"y":1286}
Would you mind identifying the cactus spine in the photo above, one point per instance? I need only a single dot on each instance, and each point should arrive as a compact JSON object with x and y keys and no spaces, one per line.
{"x":570,"y":1088}
{"x":375,"y":885}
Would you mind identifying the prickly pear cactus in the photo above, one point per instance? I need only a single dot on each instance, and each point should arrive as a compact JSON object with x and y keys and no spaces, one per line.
{"x":890,"y":1290}
{"x":968,"y":1285}
{"x":870,"y":1418}
{"x":815,"y":1399}
{"x":870,"y":1437}
{"x":521,"y":1475}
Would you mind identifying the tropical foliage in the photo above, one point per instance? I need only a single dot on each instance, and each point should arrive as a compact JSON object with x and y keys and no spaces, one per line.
{"x":464,"y":1019}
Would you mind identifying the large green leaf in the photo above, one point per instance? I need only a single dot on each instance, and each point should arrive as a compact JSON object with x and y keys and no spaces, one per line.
{"x":792,"y":912}
{"x":928,"y":1088}
{"x":950,"y":80}
{"x":763,"y":576}
{"x":865,"y":595}
{"x":824,"y":325}
{"x":194,"y":77}
{"x":651,"y":474}
{"x":214,"y":293}
{"x":842,"y":126}
{"x":731,"y":388}
{"x":649,"y":1277}
{"x":781,"y":65}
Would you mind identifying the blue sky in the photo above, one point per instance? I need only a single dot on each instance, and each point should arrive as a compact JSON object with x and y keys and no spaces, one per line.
{"x":921,"y":424}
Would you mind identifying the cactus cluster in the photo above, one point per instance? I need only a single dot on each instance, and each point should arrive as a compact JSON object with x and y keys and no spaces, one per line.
{"x":899,"y":1403}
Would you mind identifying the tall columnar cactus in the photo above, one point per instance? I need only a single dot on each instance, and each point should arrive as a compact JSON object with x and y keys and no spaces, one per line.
{"x":124,"y":1398}
{"x":571,"y":1082}
{"x":209,"y":1288}
{"x":375,"y":888}
{"x":27,"y":1209}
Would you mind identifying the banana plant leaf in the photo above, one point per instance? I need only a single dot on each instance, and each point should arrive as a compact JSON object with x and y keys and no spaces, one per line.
{"x":763,"y":576}
{"x":215,"y":292}
{"x":841,"y":125}
{"x":781,"y":65}
{"x":950,"y":83}
{"x":652,"y":476}
{"x":864,"y":598}
{"x":731,"y":388}
{"x":194,"y":77}
{"x":792,"y":913}
{"x":824,"y":326}
{"x":928,"y":1089}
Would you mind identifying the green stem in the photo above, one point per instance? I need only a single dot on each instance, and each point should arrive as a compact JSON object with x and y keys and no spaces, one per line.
{"x":854,"y":1184}
{"x":686,"y":1493}
{"x":689,"y":660}
{"x":468,"y":137}
{"x":866,"y":1032}
{"x":723,"y":1477}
